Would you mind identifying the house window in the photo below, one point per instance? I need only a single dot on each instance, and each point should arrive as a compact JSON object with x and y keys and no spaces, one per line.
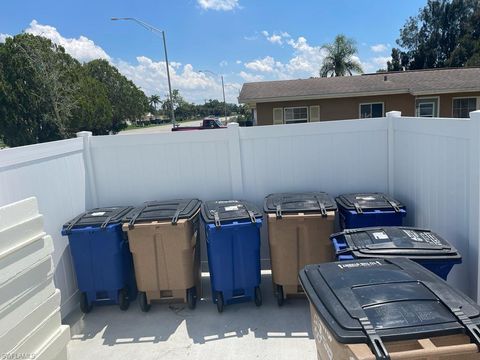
{"x":461,"y":108}
{"x":373,"y":110}
{"x":426,"y":107}
{"x":295,"y":115}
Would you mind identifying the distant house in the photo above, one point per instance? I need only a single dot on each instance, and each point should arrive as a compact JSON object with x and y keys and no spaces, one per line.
{"x":428,"y":93}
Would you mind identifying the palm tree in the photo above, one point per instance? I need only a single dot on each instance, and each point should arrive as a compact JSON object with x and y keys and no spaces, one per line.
{"x":339,"y":60}
{"x":154,"y":100}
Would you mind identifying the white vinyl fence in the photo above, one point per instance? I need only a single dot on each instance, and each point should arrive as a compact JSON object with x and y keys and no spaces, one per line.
{"x":432,"y":165}
{"x":53,"y":173}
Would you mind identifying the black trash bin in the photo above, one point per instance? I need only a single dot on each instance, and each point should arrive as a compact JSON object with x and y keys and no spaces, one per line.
{"x":421,"y":245}
{"x":386,"y":309}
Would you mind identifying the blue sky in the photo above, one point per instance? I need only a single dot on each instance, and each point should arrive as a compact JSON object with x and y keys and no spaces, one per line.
{"x":245,"y":40}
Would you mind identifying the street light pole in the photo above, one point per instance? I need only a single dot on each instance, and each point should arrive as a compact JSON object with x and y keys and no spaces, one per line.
{"x":155,"y":30}
{"x":224,"y":101}
{"x":223,"y":89}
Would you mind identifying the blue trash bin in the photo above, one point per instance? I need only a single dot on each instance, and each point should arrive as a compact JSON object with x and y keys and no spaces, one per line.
{"x":232,"y":231}
{"x":369,"y":209}
{"x":101,"y":257}
{"x":420,"y":245}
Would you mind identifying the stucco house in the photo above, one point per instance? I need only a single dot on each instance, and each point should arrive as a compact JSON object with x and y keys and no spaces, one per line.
{"x":450,"y":92}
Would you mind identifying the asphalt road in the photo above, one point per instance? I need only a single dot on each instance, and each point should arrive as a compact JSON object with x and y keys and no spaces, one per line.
{"x":164,"y":128}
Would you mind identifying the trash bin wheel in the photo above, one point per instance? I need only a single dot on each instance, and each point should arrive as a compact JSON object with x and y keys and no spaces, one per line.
{"x":258,"y":296}
{"x":220,"y":303}
{"x":85,"y":307}
{"x":192,"y":298}
{"x":142,"y":300}
{"x":279,"y":294}
{"x":123,"y":300}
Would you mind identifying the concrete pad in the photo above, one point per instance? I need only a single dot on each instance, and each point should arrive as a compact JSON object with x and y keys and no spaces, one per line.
{"x":242,"y":331}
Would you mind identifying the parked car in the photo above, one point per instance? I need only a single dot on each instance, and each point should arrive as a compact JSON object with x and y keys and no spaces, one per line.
{"x":207,"y":123}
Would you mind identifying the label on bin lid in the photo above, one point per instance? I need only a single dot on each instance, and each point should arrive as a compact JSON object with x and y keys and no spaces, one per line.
{"x":98,"y":213}
{"x":229,"y":210}
{"x":371,"y":201}
{"x":414,"y":243}
{"x":400,"y":298}
{"x":299,"y":202}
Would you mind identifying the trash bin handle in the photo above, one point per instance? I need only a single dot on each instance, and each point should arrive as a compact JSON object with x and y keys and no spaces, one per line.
{"x":75,"y":221}
{"x":323,"y":210}
{"x":177,"y":214}
{"x":250,"y":213}
{"x":392,"y":203}
{"x":131,"y":223}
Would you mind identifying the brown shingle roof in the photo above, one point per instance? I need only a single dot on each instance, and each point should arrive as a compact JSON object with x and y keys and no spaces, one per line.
{"x":414,"y":82}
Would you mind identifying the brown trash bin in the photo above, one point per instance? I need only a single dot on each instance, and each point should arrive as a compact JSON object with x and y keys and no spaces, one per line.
{"x":299,"y":229}
{"x":164,"y":241}
{"x":388,"y":309}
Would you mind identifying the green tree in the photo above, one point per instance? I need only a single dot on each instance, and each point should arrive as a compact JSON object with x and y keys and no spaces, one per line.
{"x":153,"y":102}
{"x":444,"y":33}
{"x":94,"y":111}
{"x":128,"y":101}
{"x":340,"y":60}
{"x":37,"y":95}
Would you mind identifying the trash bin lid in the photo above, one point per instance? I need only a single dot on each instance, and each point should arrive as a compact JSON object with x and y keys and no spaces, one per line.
{"x":369,"y":201}
{"x":163,"y":210}
{"x":228,"y":211}
{"x":395,"y":299}
{"x":396,"y":241}
{"x":98,"y":217}
{"x":299,"y":202}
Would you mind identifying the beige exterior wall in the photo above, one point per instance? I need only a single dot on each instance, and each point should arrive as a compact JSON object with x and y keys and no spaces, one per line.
{"x":349,"y":108}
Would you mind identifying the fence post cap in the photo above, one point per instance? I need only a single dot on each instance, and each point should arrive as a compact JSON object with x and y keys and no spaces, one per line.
{"x":475,"y":115}
{"x":394,"y":114}
{"x":84,"y":133}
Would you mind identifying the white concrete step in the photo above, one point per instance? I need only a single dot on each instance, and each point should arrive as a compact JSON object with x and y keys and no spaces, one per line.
{"x":56,"y":347}
{"x":17,"y":212}
{"x":24,"y":257}
{"x":17,"y":331}
{"x":39,"y":335}
{"x":20,"y":234}
{"x":22,"y":306}
{"x":23,"y":283}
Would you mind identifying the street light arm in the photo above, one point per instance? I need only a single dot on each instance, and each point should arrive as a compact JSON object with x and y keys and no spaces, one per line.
{"x":141,"y":23}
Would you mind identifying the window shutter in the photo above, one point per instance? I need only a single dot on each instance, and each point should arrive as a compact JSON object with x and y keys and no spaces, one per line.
{"x":277,"y":116}
{"x":315,"y":113}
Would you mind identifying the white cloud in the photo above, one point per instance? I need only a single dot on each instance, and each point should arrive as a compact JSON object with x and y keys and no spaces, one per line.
{"x":250,"y":77}
{"x":223,"y":63}
{"x":305,"y":61}
{"x":379,"y":48}
{"x":263,"y":65}
{"x":224,"y":5}
{"x":146,"y":73}
{"x":81,"y":48}
{"x":238,"y":62}
{"x":151,"y":77}
{"x":276,"y":38}
{"x":3,"y":37}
